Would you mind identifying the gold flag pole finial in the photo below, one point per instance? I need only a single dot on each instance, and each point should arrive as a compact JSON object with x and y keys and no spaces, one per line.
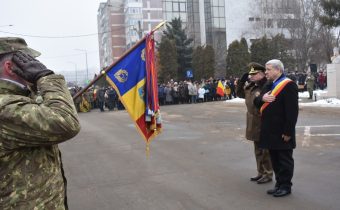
{"x":158,"y":26}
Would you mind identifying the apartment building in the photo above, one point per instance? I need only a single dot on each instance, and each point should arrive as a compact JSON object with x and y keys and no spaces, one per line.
{"x":111,"y":31}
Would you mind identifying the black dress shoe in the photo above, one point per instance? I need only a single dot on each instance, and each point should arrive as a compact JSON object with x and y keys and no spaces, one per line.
{"x":263,"y":180}
{"x":282,"y":192}
{"x":272,"y":191}
{"x":254,"y":179}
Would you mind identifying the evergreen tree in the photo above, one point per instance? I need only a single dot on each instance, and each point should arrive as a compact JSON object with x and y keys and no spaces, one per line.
{"x":237,"y":58}
{"x":245,"y":51}
{"x":197,"y":62}
{"x":209,"y":62}
{"x":331,"y":16}
{"x":278,"y":47}
{"x":261,"y":51}
{"x":203,"y":62}
{"x":281,"y":49}
{"x":168,"y":65}
{"x":174,"y":31}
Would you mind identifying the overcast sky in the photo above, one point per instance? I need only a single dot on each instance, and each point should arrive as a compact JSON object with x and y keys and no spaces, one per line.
{"x":55,"y":18}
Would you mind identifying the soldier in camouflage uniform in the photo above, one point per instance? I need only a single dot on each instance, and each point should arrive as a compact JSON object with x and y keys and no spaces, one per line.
{"x":32,"y":124}
{"x":249,"y":87}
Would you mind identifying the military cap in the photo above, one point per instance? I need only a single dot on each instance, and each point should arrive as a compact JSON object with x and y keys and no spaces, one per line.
{"x":13,"y":44}
{"x":255,"y":68}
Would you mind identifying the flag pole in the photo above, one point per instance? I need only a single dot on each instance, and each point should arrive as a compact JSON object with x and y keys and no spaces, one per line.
{"x":103,"y":73}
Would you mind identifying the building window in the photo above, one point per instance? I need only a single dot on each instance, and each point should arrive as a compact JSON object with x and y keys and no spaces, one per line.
{"x":168,"y":6}
{"x":183,"y":17}
{"x":258,"y":19}
{"x":175,"y":6}
{"x":182,"y":7}
{"x":134,"y":10}
{"x":222,"y":23}
{"x":251,"y":19}
{"x":270,"y":23}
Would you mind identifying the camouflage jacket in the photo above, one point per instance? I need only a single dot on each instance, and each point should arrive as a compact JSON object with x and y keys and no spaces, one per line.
{"x":31,"y":174}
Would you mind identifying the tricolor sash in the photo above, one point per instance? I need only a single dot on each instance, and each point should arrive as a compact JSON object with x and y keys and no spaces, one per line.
{"x":278,"y":87}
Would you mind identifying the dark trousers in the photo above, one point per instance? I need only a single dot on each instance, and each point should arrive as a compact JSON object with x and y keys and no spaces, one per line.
{"x":101,"y":105}
{"x":283,"y":166}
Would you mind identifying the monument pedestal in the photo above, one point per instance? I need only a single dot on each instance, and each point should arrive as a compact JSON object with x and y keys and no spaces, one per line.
{"x":333,"y":80}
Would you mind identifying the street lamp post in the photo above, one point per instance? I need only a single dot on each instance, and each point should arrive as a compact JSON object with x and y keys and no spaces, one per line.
{"x":87,"y":68}
{"x":75,"y":68}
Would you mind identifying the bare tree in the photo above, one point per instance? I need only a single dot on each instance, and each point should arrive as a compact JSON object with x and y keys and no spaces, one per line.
{"x":311,"y":41}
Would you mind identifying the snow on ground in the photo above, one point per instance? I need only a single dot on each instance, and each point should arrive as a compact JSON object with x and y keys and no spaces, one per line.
{"x":235,"y":100}
{"x":328,"y":102}
{"x":315,"y":92}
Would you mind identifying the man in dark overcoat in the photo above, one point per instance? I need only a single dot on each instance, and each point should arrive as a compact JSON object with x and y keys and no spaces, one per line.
{"x":278,"y":104}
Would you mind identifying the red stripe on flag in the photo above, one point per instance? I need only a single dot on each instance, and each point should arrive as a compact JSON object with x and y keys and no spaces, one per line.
{"x":143,"y":127}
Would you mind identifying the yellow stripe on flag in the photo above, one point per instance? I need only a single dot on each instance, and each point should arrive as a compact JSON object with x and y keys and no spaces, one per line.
{"x":133,"y":100}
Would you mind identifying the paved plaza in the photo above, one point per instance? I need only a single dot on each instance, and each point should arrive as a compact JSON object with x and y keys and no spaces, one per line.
{"x":201,"y":161}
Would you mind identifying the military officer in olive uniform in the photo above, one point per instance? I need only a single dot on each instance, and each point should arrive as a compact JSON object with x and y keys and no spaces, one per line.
{"x":249,"y":87}
{"x":36,"y":114}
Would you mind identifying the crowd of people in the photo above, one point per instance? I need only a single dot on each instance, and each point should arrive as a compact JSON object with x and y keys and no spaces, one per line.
{"x":320,"y":79}
{"x":172,"y":92}
{"x":188,"y":91}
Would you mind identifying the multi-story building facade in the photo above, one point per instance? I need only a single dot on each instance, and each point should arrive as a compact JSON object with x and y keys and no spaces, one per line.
{"x":253,"y":19}
{"x":141,"y":16}
{"x":121,"y":23}
{"x":152,"y":14}
{"x":206,"y":26}
{"x":111,"y":31}
{"x":133,"y":18}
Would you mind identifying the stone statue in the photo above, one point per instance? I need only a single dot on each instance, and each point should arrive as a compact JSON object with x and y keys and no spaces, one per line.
{"x":336,"y":57}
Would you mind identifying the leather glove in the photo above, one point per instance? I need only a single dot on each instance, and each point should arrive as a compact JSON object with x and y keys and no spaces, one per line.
{"x":244,"y":77}
{"x":29,"y":69}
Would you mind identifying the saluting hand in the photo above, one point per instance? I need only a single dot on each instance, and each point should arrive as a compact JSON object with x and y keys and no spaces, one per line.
{"x":267,"y":97}
{"x":30,"y":69}
{"x":286,"y":138}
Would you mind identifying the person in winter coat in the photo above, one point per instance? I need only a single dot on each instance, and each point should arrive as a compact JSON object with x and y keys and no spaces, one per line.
{"x":278,"y":103}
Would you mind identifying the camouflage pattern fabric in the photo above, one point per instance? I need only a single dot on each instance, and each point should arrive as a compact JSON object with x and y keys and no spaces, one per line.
{"x":12,"y":44}
{"x":31,"y":175}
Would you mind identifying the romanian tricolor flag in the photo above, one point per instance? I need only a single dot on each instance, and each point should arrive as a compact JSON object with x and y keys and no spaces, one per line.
{"x":134,"y":77}
{"x":220,"y":89}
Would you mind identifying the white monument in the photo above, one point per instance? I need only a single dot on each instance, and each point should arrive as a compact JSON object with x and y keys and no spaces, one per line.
{"x":333,"y":75}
